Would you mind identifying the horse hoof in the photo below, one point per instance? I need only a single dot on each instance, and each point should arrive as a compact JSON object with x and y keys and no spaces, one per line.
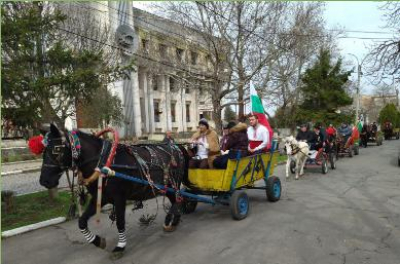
{"x":103,"y":243}
{"x":169,"y":228}
{"x":296,"y":178}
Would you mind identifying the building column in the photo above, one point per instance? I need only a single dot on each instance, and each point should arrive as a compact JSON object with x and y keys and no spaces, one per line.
{"x":167,"y":103}
{"x":137,"y":117}
{"x":150,"y":102}
{"x":146,"y":102}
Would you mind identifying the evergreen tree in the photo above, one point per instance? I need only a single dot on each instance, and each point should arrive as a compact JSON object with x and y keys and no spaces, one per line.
{"x":41,"y":76}
{"x":229,"y":114}
{"x":323,"y":85}
{"x":389,"y":113}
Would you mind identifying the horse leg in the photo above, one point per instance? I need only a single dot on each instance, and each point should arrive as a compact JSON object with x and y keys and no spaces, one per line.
{"x":120,"y":206}
{"x":302,"y":163}
{"x":173,"y":216}
{"x":297,"y":167}
{"x":83,"y":226}
{"x":289,"y":160}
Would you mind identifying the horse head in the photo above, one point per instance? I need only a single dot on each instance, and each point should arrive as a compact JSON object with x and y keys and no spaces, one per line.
{"x":64,"y":150}
{"x":290,"y":143}
{"x":56,"y":157}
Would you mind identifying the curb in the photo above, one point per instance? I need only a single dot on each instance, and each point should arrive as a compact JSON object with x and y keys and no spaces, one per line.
{"x":9,"y":173}
{"x":24,"y":229}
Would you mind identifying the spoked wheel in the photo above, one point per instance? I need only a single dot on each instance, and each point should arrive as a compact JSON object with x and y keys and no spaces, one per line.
{"x":332,"y":161}
{"x":274,"y":189}
{"x":324,"y":166}
{"x":293,"y":167}
{"x":350,"y":151}
{"x":240,"y":205}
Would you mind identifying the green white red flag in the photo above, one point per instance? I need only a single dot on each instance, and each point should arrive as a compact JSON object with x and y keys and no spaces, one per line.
{"x":258,"y":110}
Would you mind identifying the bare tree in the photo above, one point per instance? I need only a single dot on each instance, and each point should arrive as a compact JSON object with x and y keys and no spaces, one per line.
{"x":301,"y":34}
{"x":384,"y":57}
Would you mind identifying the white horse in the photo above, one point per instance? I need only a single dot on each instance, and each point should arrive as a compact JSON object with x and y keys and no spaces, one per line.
{"x":298,"y":152}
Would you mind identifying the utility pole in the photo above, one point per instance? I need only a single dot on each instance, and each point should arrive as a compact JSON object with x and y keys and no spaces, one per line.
{"x":359,"y":73}
{"x":396,"y":90}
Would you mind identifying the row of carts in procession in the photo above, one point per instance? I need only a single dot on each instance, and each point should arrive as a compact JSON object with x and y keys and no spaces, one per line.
{"x":228,"y":187}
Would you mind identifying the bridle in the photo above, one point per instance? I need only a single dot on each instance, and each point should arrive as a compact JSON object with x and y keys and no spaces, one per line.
{"x":295,"y":148}
{"x":56,"y":156}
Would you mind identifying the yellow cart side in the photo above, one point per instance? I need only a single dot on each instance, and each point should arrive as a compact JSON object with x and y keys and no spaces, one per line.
{"x":249,"y":170}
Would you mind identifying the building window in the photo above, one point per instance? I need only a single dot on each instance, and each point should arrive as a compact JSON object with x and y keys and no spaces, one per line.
{"x":187,"y":89}
{"x":179,"y":54}
{"x":171,"y":84}
{"x":154,"y":84}
{"x":145,"y":45}
{"x":187,"y":112}
{"x":194,"y":57}
{"x":173,"y":113}
{"x":157,"y":112}
{"x":163,"y":50}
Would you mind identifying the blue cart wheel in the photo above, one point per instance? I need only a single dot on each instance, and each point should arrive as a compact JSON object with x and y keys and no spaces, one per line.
{"x":240,"y":205}
{"x":274,"y":189}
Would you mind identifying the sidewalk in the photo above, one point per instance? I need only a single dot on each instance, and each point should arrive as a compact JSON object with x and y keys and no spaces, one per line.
{"x":10,"y":168}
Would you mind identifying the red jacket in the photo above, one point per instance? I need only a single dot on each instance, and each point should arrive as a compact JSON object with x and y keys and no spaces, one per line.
{"x":331,"y":131}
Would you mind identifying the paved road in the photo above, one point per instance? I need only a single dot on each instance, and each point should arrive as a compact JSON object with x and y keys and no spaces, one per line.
{"x":350,"y":216}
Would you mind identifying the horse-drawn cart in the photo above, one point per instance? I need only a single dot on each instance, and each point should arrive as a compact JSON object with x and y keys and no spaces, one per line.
{"x":226,"y":187}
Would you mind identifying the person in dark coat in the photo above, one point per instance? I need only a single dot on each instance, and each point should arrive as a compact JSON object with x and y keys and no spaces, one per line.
{"x":168,"y":138}
{"x":345,"y":131}
{"x":364,"y":135}
{"x":317,"y":139}
{"x":237,"y":142}
{"x":304,"y":134}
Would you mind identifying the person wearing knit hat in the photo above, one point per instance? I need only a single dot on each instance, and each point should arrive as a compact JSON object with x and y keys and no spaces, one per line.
{"x":238,"y":141}
{"x":207,"y":143}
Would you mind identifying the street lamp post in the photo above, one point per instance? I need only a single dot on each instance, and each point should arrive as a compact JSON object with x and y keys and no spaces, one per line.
{"x":358,"y":88}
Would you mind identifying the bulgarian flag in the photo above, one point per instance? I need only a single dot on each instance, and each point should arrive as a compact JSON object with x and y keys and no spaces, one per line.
{"x":359,"y":128}
{"x":258,"y":110}
{"x":360,"y":124}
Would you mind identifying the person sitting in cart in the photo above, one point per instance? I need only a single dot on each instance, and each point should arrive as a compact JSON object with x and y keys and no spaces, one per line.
{"x":258,"y":136}
{"x":304,"y":134}
{"x":345,"y":131}
{"x":331,"y":131}
{"x":237,"y":142}
{"x":207,"y":143}
{"x":317,"y":139}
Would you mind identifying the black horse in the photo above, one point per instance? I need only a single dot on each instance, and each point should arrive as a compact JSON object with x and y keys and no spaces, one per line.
{"x":164,"y":164}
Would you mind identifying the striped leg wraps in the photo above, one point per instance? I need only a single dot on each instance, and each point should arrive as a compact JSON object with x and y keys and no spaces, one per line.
{"x":121,"y":238}
{"x":88,"y":235}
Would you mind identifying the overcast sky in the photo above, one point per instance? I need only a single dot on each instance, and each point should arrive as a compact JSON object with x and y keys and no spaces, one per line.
{"x":350,"y":16}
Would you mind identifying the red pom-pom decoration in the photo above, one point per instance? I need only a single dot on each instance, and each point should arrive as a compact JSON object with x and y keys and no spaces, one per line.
{"x":36,"y":144}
